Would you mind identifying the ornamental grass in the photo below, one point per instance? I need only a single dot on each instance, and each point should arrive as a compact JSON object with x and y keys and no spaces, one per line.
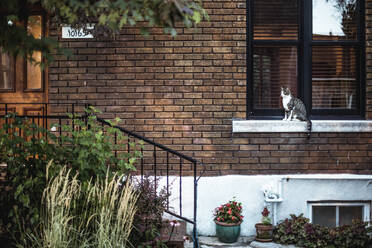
{"x":98,"y":214}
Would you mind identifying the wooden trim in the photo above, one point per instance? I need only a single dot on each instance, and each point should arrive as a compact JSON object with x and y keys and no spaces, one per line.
{"x":46,"y":69}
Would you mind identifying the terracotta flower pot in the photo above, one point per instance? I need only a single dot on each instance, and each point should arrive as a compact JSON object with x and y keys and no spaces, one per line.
{"x":227,"y":232}
{"x":264,"y":232}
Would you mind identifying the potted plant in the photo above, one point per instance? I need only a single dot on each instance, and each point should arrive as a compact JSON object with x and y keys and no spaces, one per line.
{"x":228,"y":218}
{"x":264,"y":229}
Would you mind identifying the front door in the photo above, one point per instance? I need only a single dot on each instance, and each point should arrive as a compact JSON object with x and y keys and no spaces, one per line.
{"x":23,"y":84}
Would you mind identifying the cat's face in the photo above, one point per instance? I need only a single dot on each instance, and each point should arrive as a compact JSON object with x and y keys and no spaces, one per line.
{"x":285,"y":91}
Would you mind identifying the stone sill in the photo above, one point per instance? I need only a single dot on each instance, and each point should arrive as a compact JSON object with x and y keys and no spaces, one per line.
{"x":280,"y":126}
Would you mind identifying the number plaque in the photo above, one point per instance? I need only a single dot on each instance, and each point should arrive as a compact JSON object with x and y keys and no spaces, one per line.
{"x":72,"y":33}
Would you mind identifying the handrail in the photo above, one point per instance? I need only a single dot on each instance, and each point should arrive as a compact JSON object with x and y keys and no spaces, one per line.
{"x":190,"y":159}
{"x":181,"y":156}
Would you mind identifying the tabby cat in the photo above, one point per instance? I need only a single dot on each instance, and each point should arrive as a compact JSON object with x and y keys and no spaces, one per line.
{"x":294,"y":108}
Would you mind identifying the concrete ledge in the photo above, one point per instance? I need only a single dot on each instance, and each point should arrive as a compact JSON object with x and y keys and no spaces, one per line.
{"x":279,"y":126}
{"x":256,"y":244}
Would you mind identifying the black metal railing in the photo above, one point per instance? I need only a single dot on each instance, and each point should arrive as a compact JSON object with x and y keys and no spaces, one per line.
{"x":157,"y":159}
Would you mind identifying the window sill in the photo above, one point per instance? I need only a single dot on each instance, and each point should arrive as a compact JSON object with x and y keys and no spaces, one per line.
{"x":280,"y":126}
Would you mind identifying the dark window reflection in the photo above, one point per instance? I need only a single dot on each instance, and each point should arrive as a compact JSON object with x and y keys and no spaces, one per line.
{"x":273,"y":67}
{"x":334,"y":77}
{"x":324,"y":215}
{"x":350,"y":213}
{"x":275,"y":19}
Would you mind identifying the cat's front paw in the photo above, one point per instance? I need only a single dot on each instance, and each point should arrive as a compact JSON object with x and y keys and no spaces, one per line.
{"x":285,"y":118}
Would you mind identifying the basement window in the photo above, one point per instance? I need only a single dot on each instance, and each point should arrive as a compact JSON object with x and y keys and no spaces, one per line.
{"x":334,"y":214}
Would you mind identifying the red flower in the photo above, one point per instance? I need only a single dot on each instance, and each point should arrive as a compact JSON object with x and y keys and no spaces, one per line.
{"x":265,"y":212}
{"x":229,"y":212}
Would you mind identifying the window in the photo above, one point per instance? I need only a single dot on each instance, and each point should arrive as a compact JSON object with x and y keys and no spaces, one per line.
{"x":33,"y":70}
{"x":314,"y":47}
{"x":334,"y":214}
{"x":12,"y":70}
{"x":6,"y":72}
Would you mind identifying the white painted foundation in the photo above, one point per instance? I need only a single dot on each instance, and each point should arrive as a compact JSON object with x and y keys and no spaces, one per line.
{"x":297,"y":190}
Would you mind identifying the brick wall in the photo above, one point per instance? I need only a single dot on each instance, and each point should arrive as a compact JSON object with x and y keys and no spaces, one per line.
{"x":184,"y":91}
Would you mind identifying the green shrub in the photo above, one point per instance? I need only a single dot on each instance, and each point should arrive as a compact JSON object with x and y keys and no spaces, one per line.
{"x":27,"y":148}
{"x":25,"y":180}
{"x":299,"y":231}
{"x":88,"y":147}
{"x":355,"y":235}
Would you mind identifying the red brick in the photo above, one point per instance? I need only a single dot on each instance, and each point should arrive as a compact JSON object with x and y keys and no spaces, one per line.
{"x":183,"y":92}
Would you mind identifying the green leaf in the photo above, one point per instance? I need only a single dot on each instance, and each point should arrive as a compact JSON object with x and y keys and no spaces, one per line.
{"x":102,"y":19}
{"x":196,"y":17}
{"x":18,"y":191}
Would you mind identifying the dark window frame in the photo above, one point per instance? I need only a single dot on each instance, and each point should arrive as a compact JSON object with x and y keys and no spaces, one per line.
{"x":304,"y":80}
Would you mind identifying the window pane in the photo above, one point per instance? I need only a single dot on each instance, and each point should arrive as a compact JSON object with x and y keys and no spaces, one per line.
{"x":273,"y":67}
{"x":275,"y":19}
{"x":334,"y":77}
{"x":6,"y":71}
{"x":350,"y":213}
{"x":34,"y":26}
{"x":34,"y":72}
{"x":324,"y":215}
{"x":334,"y":20}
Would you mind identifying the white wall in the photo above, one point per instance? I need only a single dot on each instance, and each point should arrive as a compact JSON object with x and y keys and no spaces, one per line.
{"x":296,"y":191}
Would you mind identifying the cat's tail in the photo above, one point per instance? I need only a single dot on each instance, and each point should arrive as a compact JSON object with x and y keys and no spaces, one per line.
{"x":309,"y":126}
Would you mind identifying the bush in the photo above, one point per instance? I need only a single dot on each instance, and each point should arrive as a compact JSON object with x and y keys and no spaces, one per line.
{"x":27,"y":148}
{"x":88,"y":147}
{"x":299,"y":231}
{"x":151,"y":205}
{"x":25,"y":180}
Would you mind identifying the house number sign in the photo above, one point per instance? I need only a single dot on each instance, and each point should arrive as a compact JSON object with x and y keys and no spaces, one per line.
{"x":72,"y":33}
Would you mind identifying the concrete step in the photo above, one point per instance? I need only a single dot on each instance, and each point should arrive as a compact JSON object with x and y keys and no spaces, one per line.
{"x":243,"y":242}
{"x":210,"y":242}
{"x":256,"y":244}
